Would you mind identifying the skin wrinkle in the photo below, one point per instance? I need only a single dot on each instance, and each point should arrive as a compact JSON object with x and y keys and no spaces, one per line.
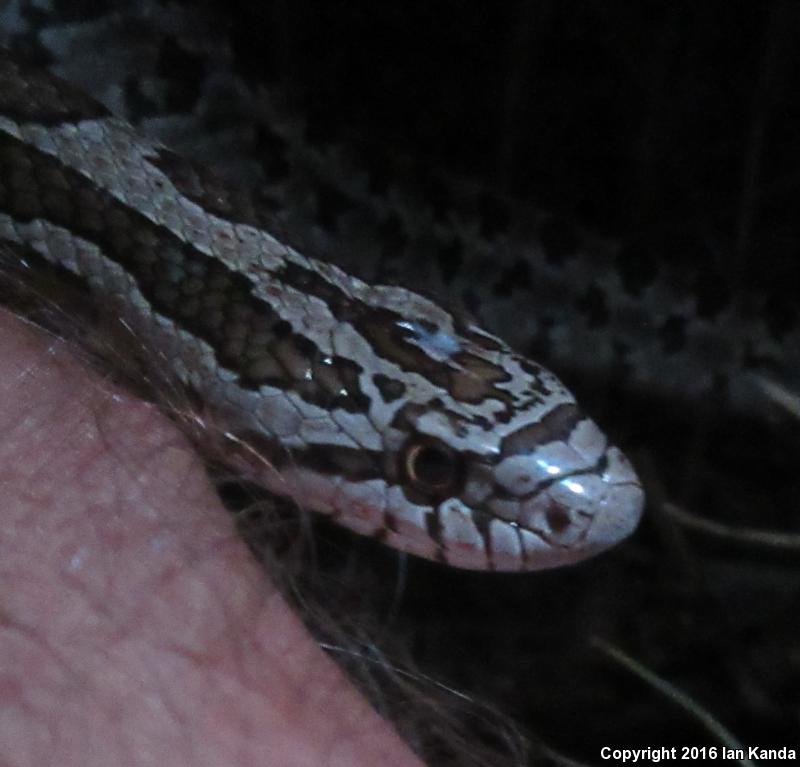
{"x":136,"y":628}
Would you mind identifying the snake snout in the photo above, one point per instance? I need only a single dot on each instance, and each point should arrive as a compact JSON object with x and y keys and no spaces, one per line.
{"x":569,"y":498}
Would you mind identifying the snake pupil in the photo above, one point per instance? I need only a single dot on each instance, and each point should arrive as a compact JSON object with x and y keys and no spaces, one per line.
{"x":432,"y":467}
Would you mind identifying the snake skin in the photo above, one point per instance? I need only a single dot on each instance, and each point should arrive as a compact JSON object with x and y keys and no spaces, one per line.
{"x":368,"y":403}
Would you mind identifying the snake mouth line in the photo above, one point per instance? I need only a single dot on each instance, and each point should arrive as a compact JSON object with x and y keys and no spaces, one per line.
{"x":590,"y":529}
{"x":597,"y":469}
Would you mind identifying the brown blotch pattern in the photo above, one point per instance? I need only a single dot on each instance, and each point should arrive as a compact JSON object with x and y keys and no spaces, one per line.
{"x":557,"y":425}
{"x":197,"y":292}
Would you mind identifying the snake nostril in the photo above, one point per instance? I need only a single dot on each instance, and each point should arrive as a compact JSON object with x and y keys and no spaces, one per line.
{"x":558,"y":519}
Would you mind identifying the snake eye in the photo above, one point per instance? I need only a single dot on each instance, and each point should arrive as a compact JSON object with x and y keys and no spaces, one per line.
{"x":433,"y":468}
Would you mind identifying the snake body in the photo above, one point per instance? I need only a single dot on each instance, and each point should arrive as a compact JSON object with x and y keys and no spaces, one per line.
{"x":366,"y":402}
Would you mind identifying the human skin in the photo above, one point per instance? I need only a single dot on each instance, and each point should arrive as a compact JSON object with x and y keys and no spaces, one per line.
{"x":135,"y":626}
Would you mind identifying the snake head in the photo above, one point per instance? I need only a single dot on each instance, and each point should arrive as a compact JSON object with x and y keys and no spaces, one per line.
{"x":468,"y":453}
{"x":546,"y":493}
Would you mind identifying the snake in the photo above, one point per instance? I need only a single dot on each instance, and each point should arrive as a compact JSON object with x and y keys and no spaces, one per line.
{"x":369,"y":403}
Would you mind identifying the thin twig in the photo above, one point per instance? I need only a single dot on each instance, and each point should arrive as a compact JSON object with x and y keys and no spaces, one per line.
{"x":672,"y":693}
{"x":789,"y":541}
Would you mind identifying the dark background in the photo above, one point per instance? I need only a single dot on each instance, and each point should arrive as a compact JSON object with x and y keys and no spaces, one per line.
{"x":674,"y":123}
